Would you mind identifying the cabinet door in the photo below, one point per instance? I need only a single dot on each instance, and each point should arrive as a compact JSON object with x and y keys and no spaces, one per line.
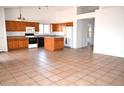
{"x":57,"y":27}
{"x":21,"y":26}
{"x":15,"y":44}
{"x":54,"y":27}
{"x":11,"y":26}
{"x":59,"y":43}
{"x":36,"y":25}
{"x":10,"y":44}
{"x":23,"y":43}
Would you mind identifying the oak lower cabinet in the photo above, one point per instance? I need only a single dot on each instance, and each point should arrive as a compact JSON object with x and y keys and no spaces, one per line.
{"x":17,"y":43}
{"x":53,"y":44}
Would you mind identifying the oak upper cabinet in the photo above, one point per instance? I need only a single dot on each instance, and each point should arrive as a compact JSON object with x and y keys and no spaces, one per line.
{"x":57,"y":27}
{"x":36,"y":25}
{"x":20,"y":26}
{"x":11,"y":26}
{"x":17,"y":43}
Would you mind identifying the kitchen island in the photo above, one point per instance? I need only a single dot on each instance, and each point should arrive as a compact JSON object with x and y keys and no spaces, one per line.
{"x":53,"y":43}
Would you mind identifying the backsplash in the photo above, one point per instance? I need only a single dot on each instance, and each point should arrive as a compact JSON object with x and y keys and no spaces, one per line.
{"x":36,"y":33}
{"x":15,"y":33}
{"x":57,"y":33}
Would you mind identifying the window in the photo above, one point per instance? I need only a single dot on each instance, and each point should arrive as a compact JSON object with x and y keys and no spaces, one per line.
{"x":44,"y":29}
{"x":89,"y":31}
{"x":41,"y":29}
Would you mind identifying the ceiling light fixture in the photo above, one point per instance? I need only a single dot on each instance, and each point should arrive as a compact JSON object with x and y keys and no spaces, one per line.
{"x":20,"y":18}
{"x":44,"y":6}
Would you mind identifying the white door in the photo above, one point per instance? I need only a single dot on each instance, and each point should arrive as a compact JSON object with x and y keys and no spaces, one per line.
{"x":68,"y":36}
{"x":3,"y":40}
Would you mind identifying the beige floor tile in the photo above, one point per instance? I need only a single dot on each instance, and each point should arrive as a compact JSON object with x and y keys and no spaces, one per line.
{"x":82,"y":82}
{"x":8,"y":82}
{"x":96,"y":75}
{"x":101,"y":83}
{"x":5,"y":77}
{"x":21,"y":78}
{"x":38,"y":78}
{"x":72,"y":78}
{"x":18,"y":74}
{"x":27,"y":82}
{"x":56,"y":71}
{"x":44,"y":82}
{"x":64,"y":74}
{"x":68,"y":68}
{"x":63,"y":82}
{"x":89,"y":78}
{"x":55,"y":78}
{"x":31,"y":74}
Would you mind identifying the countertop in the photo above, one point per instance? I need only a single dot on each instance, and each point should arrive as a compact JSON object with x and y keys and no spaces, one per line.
{"x":16,"y":37}
{"x":45,"y":36}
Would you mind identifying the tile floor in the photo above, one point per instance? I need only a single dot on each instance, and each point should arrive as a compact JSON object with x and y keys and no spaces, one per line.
{"x":70,"y":67}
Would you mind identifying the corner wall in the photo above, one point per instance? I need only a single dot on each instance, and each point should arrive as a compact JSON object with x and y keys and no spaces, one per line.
{"x":3,"y":38}
{"x":109,"y":31}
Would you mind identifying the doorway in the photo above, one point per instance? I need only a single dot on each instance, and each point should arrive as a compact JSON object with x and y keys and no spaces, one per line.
{"x":85,"y":28}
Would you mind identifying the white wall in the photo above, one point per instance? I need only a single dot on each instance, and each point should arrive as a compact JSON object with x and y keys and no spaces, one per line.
{"x":3,"y":40}
{"x":109,"y":31}
{"x":66,"y":15}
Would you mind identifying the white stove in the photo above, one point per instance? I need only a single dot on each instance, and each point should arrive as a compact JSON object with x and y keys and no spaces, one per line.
{"x":32,"y":40}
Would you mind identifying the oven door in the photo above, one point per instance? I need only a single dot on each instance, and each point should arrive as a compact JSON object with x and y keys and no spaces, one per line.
{"x":32,"y":43}
{"x":32,"y":40}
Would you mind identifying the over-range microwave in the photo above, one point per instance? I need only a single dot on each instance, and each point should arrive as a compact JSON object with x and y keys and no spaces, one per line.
{"x":30,"y":29}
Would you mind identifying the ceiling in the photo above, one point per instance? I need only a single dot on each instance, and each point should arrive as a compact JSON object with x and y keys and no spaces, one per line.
{"x":41,"y":7}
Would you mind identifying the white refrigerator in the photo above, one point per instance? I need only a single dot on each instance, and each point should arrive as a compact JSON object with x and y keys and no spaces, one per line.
{"x":3,"y":38}
{"x":68,"y":36}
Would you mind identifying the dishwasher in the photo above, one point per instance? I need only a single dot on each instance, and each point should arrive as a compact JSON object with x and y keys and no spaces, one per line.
{"x":40,"y":41}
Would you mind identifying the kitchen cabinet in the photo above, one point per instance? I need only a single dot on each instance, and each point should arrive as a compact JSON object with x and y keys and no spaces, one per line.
{"x":53,"y":44}
{"x":17,"y":43}
{"x":11,"y":26}
{"x":17,"y":26}
{"x":57,"y":27}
